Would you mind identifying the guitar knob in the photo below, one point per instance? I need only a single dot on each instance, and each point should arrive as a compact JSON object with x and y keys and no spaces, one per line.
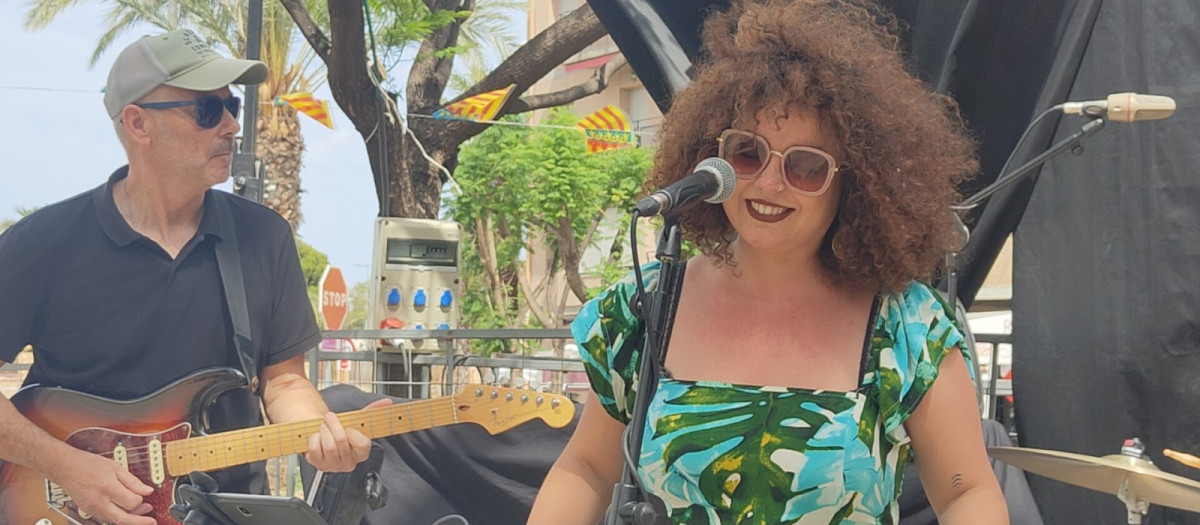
{"x":495,"y":394}
{"x":554,"y":402}
{"x":524,"y":399}
{"x":508,"y":397}
{"x":478,"y":392}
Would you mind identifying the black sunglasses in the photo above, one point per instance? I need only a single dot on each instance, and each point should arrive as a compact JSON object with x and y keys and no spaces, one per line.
{"x":209,"y":108}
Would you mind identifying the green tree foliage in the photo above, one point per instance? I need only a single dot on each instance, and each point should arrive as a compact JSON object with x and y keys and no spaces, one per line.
{"x":356,"y":315}
{"x":312,"y":262}
{"x":534,"y":197}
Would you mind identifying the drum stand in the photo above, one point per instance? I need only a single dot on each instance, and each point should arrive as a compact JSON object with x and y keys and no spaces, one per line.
{"x":1135,"y":505}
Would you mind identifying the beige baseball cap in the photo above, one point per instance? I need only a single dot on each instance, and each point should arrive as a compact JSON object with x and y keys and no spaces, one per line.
{"x":178,"y":58}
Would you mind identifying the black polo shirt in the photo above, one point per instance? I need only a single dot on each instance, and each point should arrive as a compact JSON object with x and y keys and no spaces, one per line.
{"x":110,"y":313}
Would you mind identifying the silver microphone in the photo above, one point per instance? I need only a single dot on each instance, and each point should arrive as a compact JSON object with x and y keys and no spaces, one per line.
{"x":712,"y":180}
{"x":1124,"y":107}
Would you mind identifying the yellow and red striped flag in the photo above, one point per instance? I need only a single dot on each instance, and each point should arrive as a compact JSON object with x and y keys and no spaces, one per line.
{"x":481,"y":107}
{"x":606,"y":129}
{"x":304,"y":102}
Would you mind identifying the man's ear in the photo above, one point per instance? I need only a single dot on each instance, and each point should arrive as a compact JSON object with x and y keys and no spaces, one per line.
{"x":137,"y":124}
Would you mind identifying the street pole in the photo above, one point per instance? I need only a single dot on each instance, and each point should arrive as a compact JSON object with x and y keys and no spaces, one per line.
{"x":247,"y":179}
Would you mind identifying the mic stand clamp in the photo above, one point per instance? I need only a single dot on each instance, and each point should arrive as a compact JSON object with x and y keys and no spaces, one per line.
{"x":629,"y":504}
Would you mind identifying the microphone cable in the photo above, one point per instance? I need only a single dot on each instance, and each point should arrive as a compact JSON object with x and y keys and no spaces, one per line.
{"x":637,"y":264}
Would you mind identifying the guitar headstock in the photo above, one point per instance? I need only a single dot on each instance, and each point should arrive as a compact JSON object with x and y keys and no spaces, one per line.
{"x":498,"y":409}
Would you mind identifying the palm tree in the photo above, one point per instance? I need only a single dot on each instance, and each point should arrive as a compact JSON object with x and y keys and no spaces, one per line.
{"x":484,"y":30}
{"x":280,"y":144}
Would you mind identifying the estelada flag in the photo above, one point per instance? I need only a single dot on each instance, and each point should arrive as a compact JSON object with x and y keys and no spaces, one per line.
{"x":606,"y":129}
{"x":484,"y":106}
{"x":304,"y":102}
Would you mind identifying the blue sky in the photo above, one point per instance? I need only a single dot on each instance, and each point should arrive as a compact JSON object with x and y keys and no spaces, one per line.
{"x":59,"y":142}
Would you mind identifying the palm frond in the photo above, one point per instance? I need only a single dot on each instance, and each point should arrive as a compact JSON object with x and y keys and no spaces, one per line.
{"x":119,"y":24}
{"x":42,"y":12}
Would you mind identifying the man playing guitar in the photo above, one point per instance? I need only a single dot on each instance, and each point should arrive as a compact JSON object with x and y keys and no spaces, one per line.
{"x":118,"y":289}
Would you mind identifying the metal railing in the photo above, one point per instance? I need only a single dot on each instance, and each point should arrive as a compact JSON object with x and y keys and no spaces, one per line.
{"x":994,"y":387}
{"x":446,"y":355}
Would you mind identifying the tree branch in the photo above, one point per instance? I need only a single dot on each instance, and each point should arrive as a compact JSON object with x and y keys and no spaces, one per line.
{"x":571,"y":254}
{"x":553,"y":46}
{"x":430,"y":73}
{"x":539,"y":56}
{"x":596,"y":84}
{"x":317,"y":39}
{"x":526,"y":290}
{"x":557,"y":98}
{"x":486,"y":248}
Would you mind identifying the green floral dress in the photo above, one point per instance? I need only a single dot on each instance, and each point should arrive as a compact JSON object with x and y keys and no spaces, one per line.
{"x":720,"y":453}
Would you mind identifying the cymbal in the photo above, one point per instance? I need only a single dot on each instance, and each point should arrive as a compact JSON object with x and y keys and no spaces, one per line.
{"x":1144,"y":480}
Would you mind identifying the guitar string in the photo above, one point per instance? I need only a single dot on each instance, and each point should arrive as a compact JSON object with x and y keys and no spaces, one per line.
{"x":139,"y":458}
{"x":138,"y":455}
{"x":354,"y":419}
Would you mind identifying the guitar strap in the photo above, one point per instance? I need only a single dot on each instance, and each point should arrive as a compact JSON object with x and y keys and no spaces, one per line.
{"x":230,"y":264}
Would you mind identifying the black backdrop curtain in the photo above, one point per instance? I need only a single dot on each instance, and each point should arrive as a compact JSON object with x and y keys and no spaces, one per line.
{"x":1106,"y":316}
{"x":1106,"y":306}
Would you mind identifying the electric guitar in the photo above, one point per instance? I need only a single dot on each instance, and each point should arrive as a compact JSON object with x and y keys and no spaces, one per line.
{"x":153,"y":435}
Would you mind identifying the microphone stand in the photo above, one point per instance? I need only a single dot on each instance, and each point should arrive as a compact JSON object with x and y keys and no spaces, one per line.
{"x":629,"y":505}
{"x":1072,"y":143}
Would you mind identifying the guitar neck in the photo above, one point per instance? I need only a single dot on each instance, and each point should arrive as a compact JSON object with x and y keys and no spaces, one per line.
{"x":229,"y":449}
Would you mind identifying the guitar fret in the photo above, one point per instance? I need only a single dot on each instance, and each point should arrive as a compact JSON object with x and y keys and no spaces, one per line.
{"x":227,"y":449}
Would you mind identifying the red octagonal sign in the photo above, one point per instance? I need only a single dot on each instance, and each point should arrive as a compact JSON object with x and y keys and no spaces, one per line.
{"x":334,"y":298}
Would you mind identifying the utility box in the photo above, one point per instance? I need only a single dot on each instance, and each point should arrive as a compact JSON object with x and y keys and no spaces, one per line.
{"x":415,"y":278}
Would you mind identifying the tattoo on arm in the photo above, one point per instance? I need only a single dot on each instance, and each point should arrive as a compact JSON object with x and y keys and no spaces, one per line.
{"x":956,"y":480}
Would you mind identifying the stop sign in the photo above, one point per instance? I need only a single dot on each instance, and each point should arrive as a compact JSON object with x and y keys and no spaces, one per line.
{"x":334,"y":298}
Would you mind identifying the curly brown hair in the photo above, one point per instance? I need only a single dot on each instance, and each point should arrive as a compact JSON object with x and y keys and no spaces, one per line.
{"x":903,"y":148}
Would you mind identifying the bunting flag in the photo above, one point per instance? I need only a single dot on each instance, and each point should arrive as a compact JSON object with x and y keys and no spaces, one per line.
{"x":305,"y":103}
{"x":606,"y":129}
{"x":481,"y":107}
